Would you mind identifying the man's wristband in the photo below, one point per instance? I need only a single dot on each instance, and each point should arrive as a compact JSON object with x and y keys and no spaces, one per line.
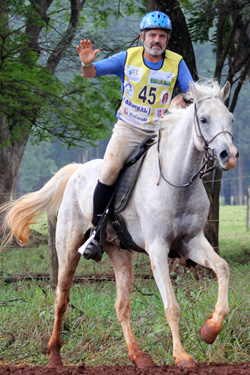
{"x":86,"y":65}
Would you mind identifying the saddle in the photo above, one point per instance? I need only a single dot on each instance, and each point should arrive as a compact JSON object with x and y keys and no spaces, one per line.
{"x":124,"y":187}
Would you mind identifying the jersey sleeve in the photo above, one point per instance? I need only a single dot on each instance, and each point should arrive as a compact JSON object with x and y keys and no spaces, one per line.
{"x":112,"y":65}
{"x":184,"y":77}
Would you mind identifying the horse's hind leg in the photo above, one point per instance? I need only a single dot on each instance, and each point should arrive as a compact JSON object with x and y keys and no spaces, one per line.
{"x":122,"y":261}
{"x":70,"y":240}
{"x":62,"y":299}
{"x":201,"y":252}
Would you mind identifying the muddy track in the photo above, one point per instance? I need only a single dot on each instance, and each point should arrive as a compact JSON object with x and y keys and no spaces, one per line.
{"x":239,"y":368}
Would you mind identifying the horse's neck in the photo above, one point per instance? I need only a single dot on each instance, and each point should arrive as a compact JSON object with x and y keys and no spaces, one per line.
{"x":180,"y":158}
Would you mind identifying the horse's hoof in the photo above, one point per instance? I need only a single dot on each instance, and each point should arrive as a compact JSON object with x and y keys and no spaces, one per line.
{"x":144,"y":361}
{"x":185,"y":363}
{"x":55,"y":361}
{"x":208,"y":332}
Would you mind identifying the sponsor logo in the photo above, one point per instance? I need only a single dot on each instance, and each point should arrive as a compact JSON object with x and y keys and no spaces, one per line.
{"x":133,"y":73}
{"x":159,"y":78}
{"x":158,"y":113}
{"x":128,"y":89}
{"x":160,"y":82}
{"x":165,"y":97}
{"x":138,"y":118}
{"x":135,"y":107}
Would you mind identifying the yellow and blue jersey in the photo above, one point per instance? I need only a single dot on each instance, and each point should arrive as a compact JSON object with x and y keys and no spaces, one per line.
{"x":146,"y":88}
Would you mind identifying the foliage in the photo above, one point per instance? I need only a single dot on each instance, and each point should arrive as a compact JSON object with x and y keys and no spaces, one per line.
{"x":37,"y":165}
{"x":41,"y":93}
{"x":91,"y":332}
{"x":224,"y":25}
{"x":71,"y":117}
{"x":41,"y":160}
{"x":65,"y":111}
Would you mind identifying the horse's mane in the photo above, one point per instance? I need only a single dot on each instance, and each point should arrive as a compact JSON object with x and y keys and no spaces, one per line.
{"x":203,"y":90}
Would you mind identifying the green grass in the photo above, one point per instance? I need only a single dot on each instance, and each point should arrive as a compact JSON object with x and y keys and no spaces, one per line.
{"x":91,"y":332}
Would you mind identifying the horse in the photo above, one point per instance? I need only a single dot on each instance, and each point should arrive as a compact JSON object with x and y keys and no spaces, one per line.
{"x":162,"y":214}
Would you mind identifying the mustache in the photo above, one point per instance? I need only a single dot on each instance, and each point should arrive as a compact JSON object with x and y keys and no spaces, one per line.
{"x":156,"y":44}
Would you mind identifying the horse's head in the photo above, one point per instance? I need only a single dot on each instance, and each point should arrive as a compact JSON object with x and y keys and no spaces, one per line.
{"x":213,"y":123}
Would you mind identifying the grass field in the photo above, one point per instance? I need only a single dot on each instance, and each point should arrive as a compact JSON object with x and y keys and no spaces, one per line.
{"x":91,"y":332}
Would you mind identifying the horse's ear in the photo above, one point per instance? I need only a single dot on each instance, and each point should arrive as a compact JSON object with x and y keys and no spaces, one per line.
{"x":194,"y":91}
{"x":225,"y":91}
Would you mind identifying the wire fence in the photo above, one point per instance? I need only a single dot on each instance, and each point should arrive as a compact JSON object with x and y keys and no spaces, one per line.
{"x":19,"y":195}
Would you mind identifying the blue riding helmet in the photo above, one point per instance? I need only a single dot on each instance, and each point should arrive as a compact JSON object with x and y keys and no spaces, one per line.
{"x":156,"y":20}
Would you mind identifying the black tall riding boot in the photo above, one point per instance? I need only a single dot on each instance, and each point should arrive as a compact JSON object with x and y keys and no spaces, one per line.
{"x":101,"y":198}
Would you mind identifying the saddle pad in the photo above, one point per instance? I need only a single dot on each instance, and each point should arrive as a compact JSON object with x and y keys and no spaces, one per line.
{"x":125,"y":184}
{"x":124,"y":187}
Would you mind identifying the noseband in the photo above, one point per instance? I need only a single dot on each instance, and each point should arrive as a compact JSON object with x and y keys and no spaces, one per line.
{"x":209,"y":156}
{"x":199,"y":134}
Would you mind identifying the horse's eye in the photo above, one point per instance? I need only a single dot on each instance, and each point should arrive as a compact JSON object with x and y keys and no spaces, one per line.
{"x":203,"y":120}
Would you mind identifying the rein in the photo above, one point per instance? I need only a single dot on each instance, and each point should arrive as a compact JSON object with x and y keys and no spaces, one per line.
{"x":203,"y":170}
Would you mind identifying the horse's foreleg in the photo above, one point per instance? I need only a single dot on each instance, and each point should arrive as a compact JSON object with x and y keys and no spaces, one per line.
{"x":124,"y":273}
{"x":201,"y":252}
{"x":160,"y":268}
{"x":66,"y":273}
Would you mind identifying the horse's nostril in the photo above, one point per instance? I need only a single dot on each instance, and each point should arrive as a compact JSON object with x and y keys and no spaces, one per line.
{"x":224,"y":155}
{"x":238,"y":154}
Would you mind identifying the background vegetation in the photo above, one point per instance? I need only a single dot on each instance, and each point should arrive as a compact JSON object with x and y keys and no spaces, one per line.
{"x":105,"y":23}
{"x":91,"y":332}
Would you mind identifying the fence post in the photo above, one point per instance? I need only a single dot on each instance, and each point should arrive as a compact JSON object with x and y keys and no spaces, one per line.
{"x":52,"y":255}
{"x":248,"y":207}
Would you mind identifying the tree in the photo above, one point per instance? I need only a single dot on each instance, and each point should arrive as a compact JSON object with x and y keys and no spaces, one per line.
{"x":180,"y":41}
{"x":35,"y":46}
{"x":224,"y":24}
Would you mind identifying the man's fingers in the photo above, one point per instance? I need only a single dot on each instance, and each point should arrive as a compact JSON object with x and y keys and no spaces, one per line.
{"x":86,"y":44}
{"x":96,"y":51}
{"x":85,"y":50}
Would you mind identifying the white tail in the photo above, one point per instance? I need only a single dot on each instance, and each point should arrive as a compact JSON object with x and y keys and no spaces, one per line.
{"x":21,"y":213}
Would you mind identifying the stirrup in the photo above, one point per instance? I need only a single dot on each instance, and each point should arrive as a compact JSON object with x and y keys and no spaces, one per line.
{"x":91,"y":249}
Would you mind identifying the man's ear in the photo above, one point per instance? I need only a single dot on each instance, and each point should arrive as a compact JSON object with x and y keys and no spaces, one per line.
{"x":142,"y":37}
{"x":168,"y":36}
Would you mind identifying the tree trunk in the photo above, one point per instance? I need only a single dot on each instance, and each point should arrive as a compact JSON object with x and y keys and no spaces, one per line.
{"x":10,"y":156}
{"x":180,"y":41}
{"x":212,"y":186}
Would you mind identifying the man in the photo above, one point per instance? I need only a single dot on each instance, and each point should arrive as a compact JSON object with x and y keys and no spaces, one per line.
{"x":149,"y":76}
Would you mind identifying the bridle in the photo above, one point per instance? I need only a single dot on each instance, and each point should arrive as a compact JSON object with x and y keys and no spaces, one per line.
{"x":209,"y":153}
{"x":199,"y":134}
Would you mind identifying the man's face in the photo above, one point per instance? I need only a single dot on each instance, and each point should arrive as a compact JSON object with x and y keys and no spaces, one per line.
{"x":155,"y":41}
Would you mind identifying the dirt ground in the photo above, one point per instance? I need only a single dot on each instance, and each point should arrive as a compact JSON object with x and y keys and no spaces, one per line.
{"x":239,"y":368}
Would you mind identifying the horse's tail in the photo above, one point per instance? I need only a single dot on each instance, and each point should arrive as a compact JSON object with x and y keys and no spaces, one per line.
{"x":21,"y":213}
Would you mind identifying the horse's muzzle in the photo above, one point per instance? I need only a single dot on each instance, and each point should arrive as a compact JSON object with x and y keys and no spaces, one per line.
{"x":229,"y":157}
